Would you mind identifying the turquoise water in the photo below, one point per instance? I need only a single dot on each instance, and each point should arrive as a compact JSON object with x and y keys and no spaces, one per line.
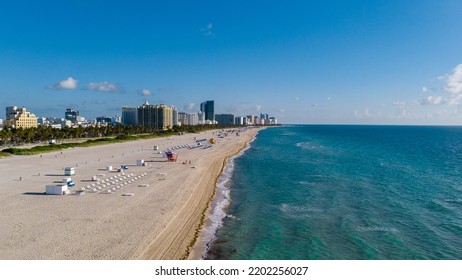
{"x":345,"y":192}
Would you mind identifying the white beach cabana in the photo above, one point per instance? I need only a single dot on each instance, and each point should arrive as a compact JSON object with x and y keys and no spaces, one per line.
{"x":56,"y":189}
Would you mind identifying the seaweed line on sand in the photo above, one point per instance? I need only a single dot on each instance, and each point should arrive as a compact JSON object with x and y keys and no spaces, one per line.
{"x":209,"y":202}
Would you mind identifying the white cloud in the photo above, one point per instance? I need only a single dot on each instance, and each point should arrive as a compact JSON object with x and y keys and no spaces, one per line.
{"x":208,"y":31}
{"x":453,"y":86}
{"x":429,"y":90}
{"x":281,"y":112}
{"x":102,"y":86}
{"x":432,"y":100}
{"x":366,"y":112}
{"x":69,"y":83}
{"x":442,"y":78}
{"x":189,"y":107}
{"x":362,"y":113}
{"x":399,"y":104}
{"x":401,"y":108}
{"x":454,"y":99}
{"x":145,"y":92}
{"x":454,"y":81}
{"x":243,"y":108}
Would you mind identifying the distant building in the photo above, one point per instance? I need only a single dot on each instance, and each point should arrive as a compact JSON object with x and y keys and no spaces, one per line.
{"x":55,"y":125}
{"x":208,"y":108}
{"x":20,"y":118}
{"x":81,"y":120}
{"x":174,"y":116}
{"x":11,"y":111}
{"x":54,"y":122}
{"x":250,"y":120}
{"x":63,"y":122}
{"x":74,"y":117}
{"x":188,"y":119}
{"x":159,"y":117}
{"x":129,"y":116}
{"x":201,"y":117}
{"x":182,"y":120}
{"x":239,"y":120}
{"x":116,"y":120}
{"x":1,"y":124}
{"x":104,"y":120}
{"x":193,"y":119}
{"x":71,"y":115}
{"x":225,"y":119}
{"x":264,"y":116}
{"x":273,"y":121}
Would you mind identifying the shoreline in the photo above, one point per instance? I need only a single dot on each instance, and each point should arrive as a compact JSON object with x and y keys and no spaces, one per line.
{"x":189,"y":238}
{"x":209,"y":225}
{"x":161,"y":221}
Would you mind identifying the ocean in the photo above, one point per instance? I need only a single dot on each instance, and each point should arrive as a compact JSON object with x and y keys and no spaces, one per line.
{"x":342,"y":192}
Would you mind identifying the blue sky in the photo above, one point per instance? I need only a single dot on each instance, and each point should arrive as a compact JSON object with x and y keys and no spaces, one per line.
{"x":366,"y":62}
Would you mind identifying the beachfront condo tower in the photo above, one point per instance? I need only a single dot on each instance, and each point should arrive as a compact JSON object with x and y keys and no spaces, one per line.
{"x":208,"y":108}
{"x":129,"y":116}
{"x":159,"y":117}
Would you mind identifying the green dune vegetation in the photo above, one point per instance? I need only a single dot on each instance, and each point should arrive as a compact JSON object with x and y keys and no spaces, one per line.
{"x":64,"y":138}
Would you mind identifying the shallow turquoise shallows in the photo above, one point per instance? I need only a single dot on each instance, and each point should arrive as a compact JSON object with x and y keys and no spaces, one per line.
{"x":345,"y":192}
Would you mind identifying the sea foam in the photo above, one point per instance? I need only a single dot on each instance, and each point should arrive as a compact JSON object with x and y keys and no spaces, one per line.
{"x":298,"y":212}
{"x":220,"y":202}
{"x":377,"y":228}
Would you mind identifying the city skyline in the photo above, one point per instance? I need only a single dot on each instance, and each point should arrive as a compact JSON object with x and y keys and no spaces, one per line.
{"x":161,"y":116}
{"x":352,"y":62}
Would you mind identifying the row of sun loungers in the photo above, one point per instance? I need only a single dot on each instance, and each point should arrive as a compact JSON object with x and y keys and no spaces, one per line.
{"x":113,"y":183}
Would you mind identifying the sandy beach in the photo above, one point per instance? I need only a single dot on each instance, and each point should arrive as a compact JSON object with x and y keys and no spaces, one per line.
{"x":160,"y":219}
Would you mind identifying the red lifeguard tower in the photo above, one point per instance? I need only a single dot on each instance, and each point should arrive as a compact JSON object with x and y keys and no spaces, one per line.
{"x":171,"y":156}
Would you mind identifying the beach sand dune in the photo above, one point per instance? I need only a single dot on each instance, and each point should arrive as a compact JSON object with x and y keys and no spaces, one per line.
{"x":158,"y":219}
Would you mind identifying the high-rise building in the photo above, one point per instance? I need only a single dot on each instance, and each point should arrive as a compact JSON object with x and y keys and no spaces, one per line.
{"x":71,"y":115}
{"x":273,"y":120}
{"x":20,"y":118}
{"x":159,"y":117}
{"x":250,"y":120}
{"x":182,"y":118}
{"x":193,"y":119}
{"x":208,"y":108}
{"x":129,"y":116}
{"x":239,"y":120}
{"x":188,"y":119}
{"x":225,"y":119}
{"x":174,"y":116}
{"x":11,"y":111}
{"x":201,"y":117}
